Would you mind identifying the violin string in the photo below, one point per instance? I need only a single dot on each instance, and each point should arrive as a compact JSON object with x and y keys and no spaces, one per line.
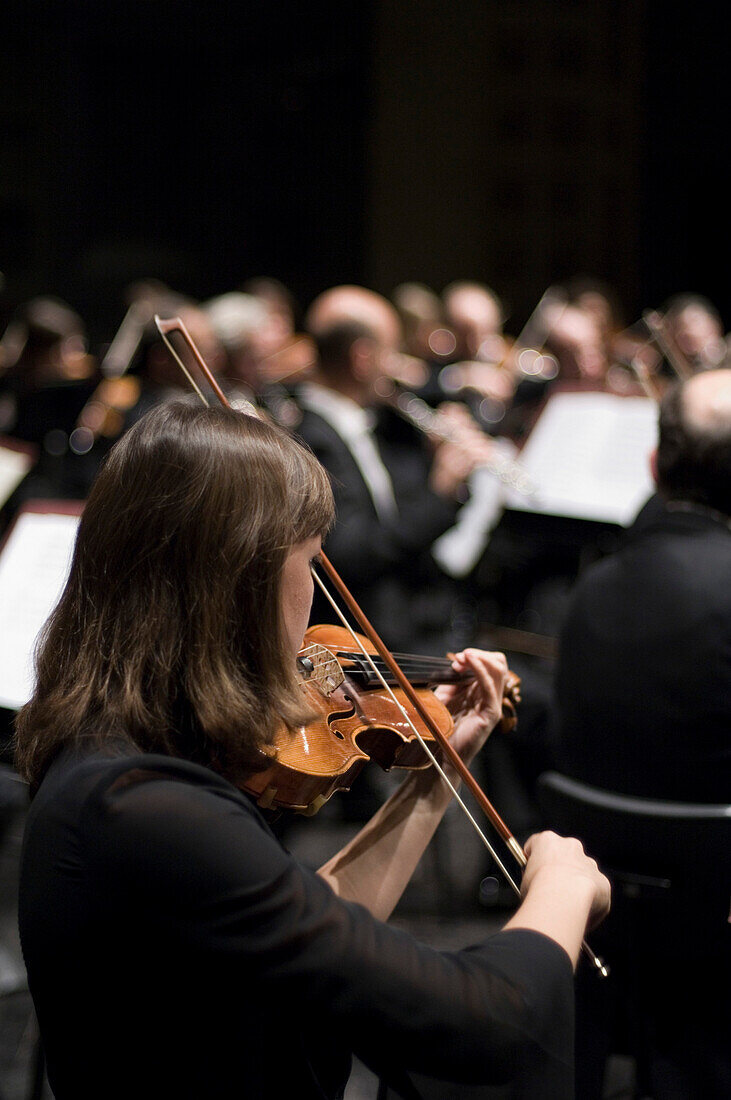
{"x":430,"y":667}
{"x":420,"y":739}
{"x":412,"y":671}
{"x":412,"y":667}
{"x":415,"y":658}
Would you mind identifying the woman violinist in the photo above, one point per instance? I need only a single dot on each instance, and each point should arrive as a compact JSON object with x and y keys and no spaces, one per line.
{"x":173,"y":947}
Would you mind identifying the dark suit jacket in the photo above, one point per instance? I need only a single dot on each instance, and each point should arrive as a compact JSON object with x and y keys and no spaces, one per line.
{"x":644,"y":676}
{"x":644,"y":708}
{"x":389,"y":565}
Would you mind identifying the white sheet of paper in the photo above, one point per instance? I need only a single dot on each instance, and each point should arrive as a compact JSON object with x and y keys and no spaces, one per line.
{"x":589,"y":457}
{"x":14,"y":465}
{"x":34,"y":565}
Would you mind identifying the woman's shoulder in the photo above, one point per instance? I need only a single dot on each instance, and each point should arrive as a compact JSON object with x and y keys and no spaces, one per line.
{"x":114,"y":780}
{"x":135,"y":817}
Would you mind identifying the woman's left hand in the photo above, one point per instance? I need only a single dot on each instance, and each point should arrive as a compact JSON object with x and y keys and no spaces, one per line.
{"x":475,"y":704}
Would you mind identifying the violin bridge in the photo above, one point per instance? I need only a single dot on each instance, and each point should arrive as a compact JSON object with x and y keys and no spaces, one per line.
{"x":318,"y":666}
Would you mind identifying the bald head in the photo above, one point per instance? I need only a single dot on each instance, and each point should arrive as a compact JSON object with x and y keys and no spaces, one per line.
{"x":473,"y":300}
{"x":354,"y":306}
{"x":706,"y":403}
{"x":694,"y":452}
{"x":356,"y":333}
{"x":416,"y":302}
{"x":473,"y":312}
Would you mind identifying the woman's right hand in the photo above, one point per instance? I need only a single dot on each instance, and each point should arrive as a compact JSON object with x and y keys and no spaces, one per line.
{"x":563,"y":890}
{"x":549,"y":853}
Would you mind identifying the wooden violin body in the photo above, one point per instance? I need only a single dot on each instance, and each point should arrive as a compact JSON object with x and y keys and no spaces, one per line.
{"x":355,"y":720}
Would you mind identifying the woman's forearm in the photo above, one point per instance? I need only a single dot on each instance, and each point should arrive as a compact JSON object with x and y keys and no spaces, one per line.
{"x":557,"y":904}
{"x":375,"y":867}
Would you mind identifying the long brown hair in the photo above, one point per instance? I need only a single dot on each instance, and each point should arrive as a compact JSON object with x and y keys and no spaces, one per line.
{"x":168,"y":635}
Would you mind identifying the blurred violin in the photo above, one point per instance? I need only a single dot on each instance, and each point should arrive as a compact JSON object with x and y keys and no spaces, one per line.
{"x":488,"y":382}
{"x":103,"y":415}
{"x":660,"y":333}
{"x":296,"y":358}
{"x":356,"y":720}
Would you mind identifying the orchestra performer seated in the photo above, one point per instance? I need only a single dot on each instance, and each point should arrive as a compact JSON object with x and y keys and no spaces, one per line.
{"x":695,"y":327}
{"x":395,"y":491}
{"x":643,"y":708}
{"x":173,"y":948}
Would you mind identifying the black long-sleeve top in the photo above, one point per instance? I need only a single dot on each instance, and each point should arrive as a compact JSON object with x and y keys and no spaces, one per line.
{"x":174,"y":948}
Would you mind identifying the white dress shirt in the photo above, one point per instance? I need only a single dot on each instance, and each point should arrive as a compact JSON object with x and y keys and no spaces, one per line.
{"x":355,"y":425}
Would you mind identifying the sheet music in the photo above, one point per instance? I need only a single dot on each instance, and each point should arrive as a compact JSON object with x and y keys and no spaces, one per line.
{"x":14,"y":465}
{"x":589,"y":456}
{"x":33,"y":568}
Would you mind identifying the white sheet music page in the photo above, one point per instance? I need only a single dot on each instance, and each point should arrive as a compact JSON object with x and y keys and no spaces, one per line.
{"x":589,"y":456}
{"x":34,"y":565}
{"x":14,"y":465}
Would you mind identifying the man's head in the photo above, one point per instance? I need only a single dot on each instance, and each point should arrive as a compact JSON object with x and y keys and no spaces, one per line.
{"x":693,"y":460}
{"x":696,"y":327}
{"x":420,"y":310}
{"x":356,"y":332}
{"x":575,"y":338}
{"x":474,"y":313}
{"x":238,"y":321}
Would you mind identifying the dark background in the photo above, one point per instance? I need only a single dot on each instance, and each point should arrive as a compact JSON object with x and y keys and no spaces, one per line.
{"x":512,"y":142}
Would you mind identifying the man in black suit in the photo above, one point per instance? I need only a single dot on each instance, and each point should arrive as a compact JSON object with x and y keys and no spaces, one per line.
{"x":395,"y":491}
{"x":643,"y":708}
{"x":644,"y":678}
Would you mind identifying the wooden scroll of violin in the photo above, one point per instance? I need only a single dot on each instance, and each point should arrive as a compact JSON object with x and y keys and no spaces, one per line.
{"x":417,"y":708}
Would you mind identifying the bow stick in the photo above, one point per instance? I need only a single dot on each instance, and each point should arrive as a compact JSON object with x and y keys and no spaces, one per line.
{"x":656,"y":326}
{"x":175,"y":324}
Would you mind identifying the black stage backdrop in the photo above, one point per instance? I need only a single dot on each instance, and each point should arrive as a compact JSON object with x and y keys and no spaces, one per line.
{"x":204,"y":144}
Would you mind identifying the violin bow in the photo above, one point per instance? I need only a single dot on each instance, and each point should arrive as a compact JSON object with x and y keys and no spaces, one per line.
{"x":527,"y":339}
{"x":656,"y":326}
{"x":175,"y":324}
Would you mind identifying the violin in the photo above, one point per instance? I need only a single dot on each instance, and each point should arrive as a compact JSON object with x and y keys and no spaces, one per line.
{"x":356,"y":720}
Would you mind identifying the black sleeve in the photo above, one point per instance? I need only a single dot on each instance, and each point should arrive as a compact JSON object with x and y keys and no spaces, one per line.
{"x":205,"y":867}
{"x":363,"y":549}
{"x":360,"y":546}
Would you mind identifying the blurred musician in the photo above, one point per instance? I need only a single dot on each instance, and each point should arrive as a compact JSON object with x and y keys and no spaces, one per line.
{"x":639,"y":613}
{"x":47,"y":378}
{"x":160,"y":377}
{"x":576,"y":338}
{"x":238,"y":321}
{"x":694,"y":325}
{"x":643,"y":708}
{"x":599,"y":299}
{"x":395,"y":493}
{"x":284,"y":352}
{"x":46,"y":369}
{"x":474,"y":313}
{"x":242,"y":323}
{"x":422,"y":322}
